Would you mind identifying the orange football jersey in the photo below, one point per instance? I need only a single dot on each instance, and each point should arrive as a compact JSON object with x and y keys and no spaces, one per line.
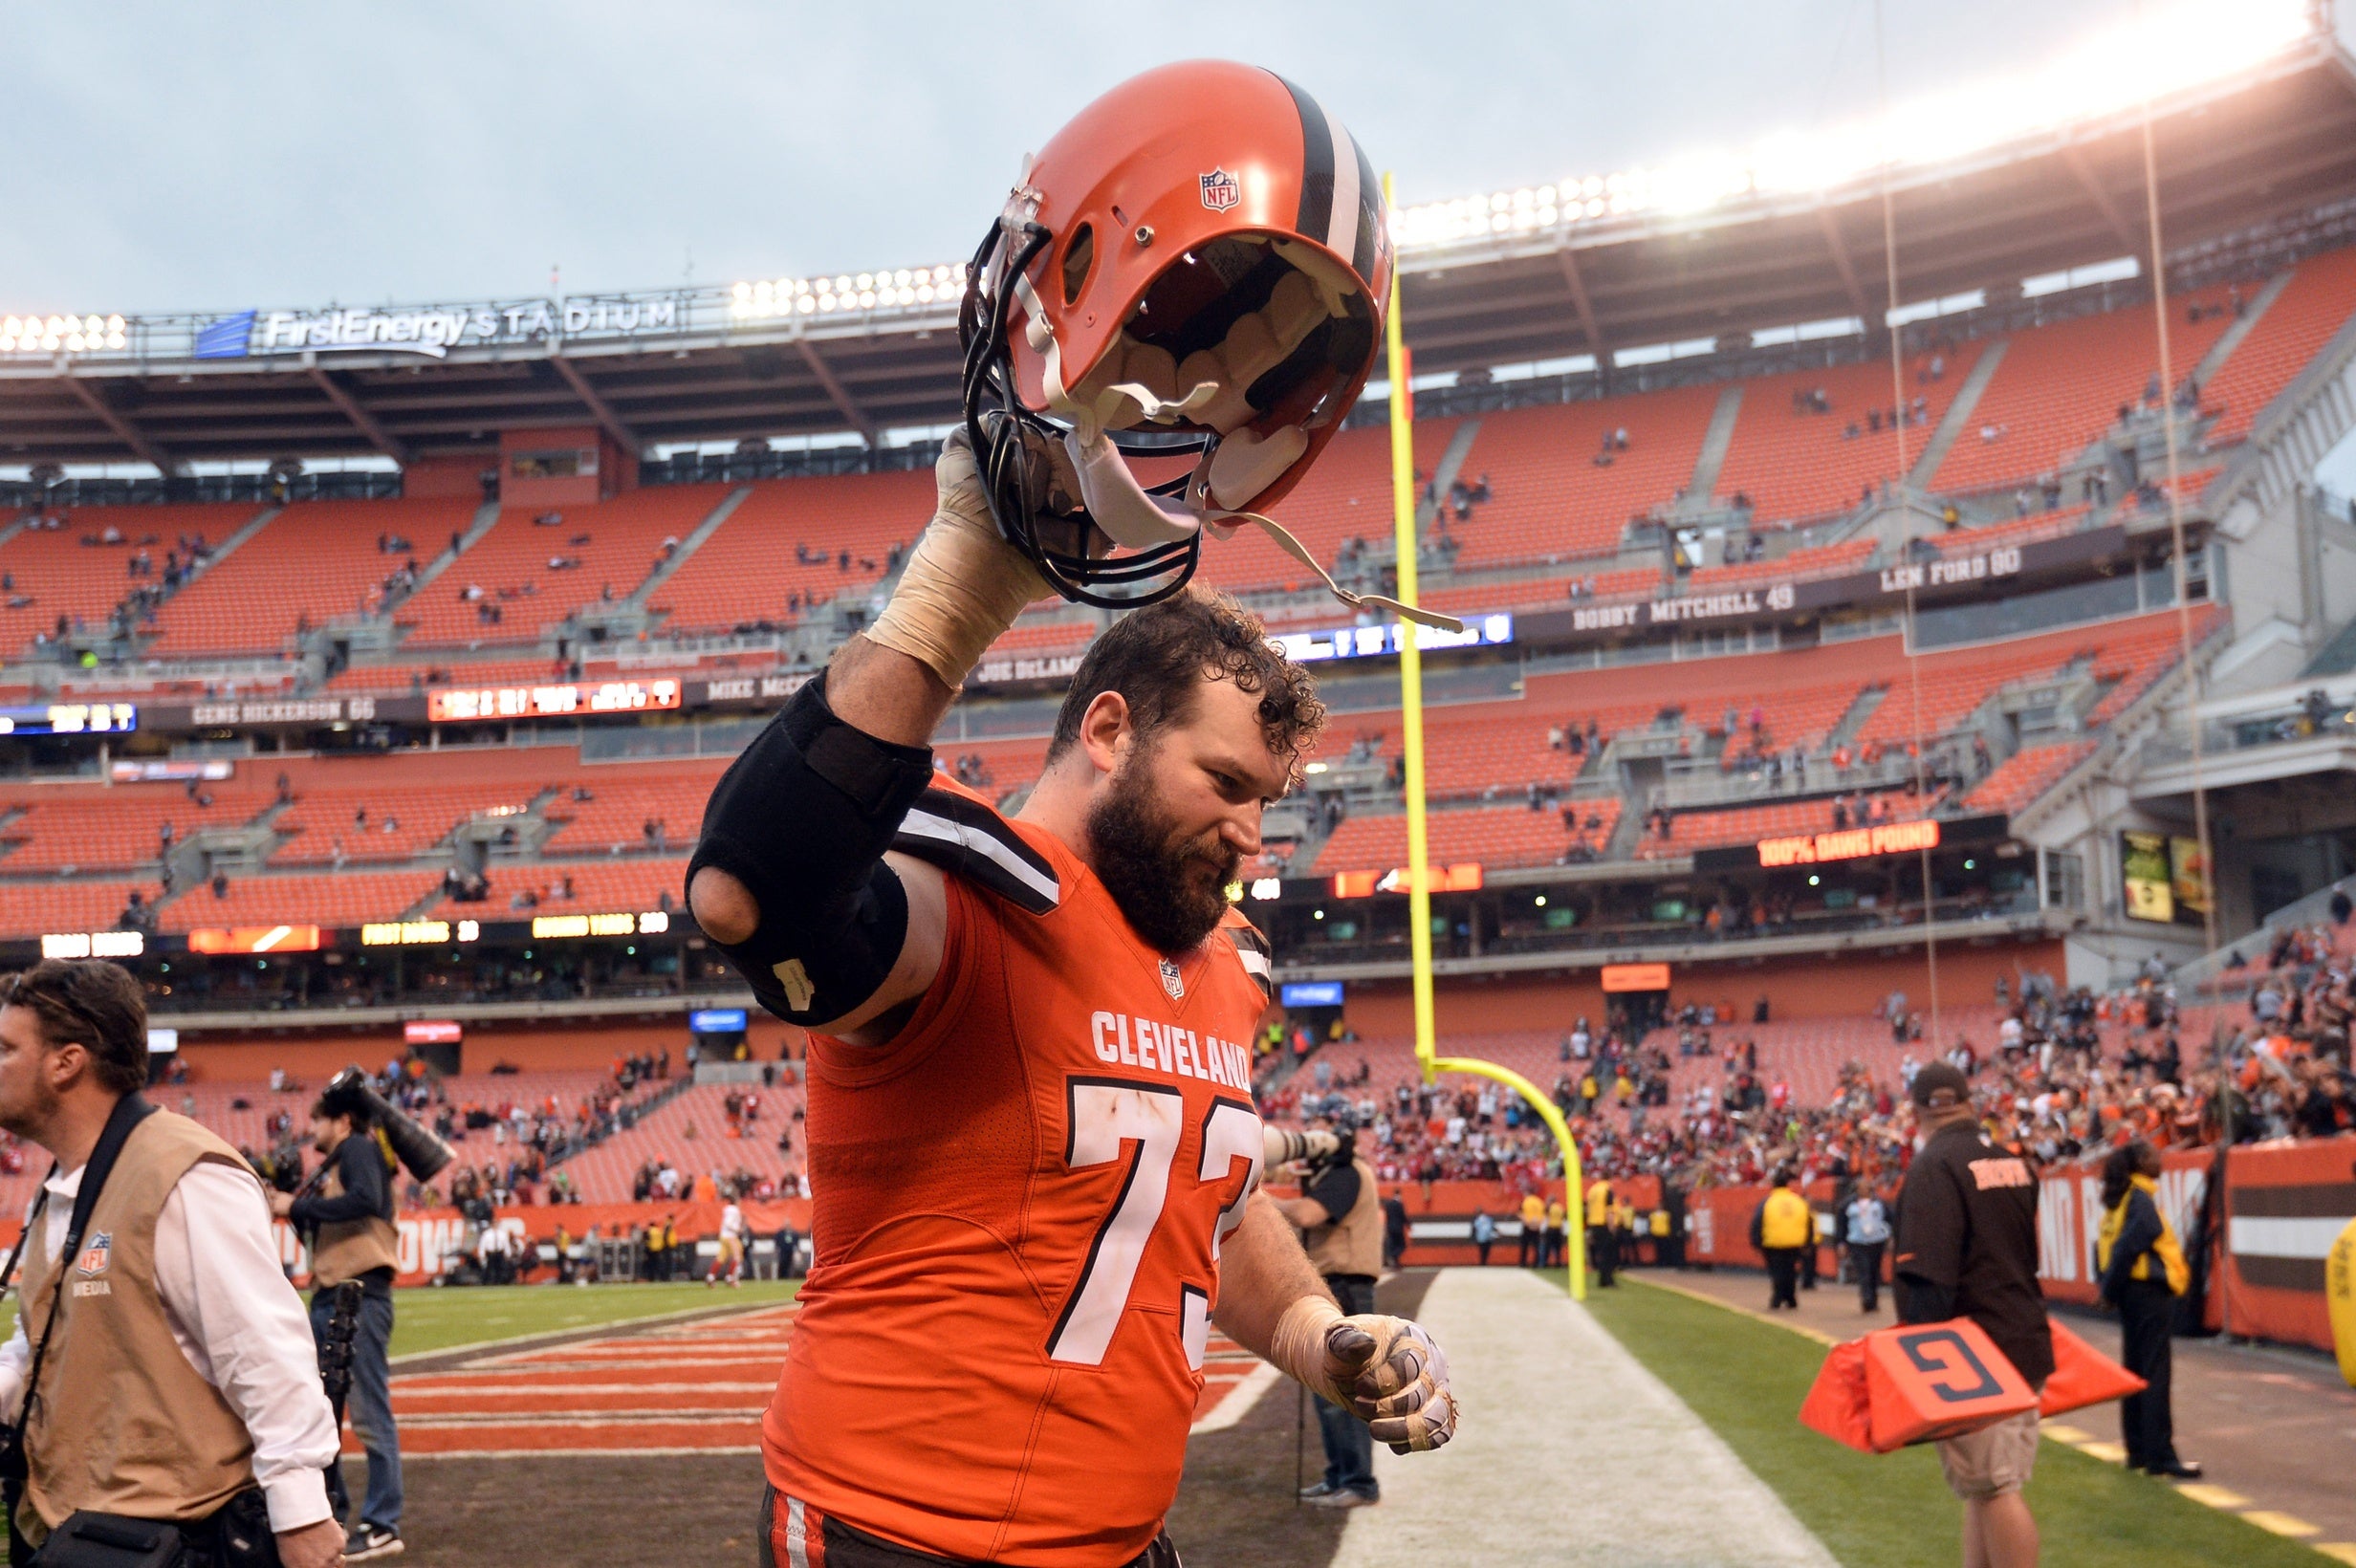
{"x":1018,"y":1205}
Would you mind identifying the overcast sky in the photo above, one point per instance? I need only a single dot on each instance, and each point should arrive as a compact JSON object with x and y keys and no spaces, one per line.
{"x":175,"y":157}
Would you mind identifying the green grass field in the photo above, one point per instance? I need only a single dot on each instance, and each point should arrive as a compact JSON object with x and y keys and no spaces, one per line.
{"x":1746,"y":1379}
{"x":450,"y":1319}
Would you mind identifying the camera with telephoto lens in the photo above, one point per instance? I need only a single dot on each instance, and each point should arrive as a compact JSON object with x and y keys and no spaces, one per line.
{"x":420,"y":1152}
{"x":1314,"y":1147}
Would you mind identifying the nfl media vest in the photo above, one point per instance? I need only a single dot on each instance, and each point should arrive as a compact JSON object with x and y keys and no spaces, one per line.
{"x":1353,"y":1243}
{"x":349,"y":1249}
{"x":125,"y":1425}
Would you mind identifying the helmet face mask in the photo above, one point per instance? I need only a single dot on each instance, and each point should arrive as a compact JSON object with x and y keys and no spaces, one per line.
{"x":1131,"y":304}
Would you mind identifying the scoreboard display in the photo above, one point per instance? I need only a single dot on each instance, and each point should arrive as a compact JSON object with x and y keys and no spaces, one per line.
{"x":68,"y":718}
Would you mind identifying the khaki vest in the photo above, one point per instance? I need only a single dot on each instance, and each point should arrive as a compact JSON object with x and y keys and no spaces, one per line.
{"x":124,"y":1424}
{"x":1353,"y":1243}
{"x":349,"y":1249}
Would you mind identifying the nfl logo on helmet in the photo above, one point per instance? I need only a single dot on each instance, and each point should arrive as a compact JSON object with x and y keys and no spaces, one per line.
{"x":1221,"y":189}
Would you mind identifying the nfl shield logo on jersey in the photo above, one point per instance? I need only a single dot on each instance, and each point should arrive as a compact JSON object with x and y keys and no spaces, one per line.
{"x":1170,"y":982}
{"x":94,"y":1256}
{"x":1221,"y":189}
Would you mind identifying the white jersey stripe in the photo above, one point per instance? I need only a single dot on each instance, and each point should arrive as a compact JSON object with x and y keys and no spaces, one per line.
{"x":924,"y":824}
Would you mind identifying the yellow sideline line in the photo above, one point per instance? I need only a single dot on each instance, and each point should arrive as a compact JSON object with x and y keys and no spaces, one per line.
{"x":2208,"y":1496}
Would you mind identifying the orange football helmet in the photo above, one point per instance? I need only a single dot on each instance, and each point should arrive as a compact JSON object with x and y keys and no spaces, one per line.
{"x":1197,"y":266}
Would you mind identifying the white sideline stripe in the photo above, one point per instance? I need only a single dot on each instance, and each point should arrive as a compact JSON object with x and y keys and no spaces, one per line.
{"x":924,"y":824}
{"x":2256,"y":1236}
{"x":1240,"y":1399}
{"x":1552,"y":1409}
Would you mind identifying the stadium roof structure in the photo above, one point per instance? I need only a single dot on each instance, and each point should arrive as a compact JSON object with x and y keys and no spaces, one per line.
{"x":2258,"y":148}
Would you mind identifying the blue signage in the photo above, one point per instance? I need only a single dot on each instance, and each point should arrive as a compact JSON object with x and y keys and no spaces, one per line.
{"x":716,"y":1020}
{"x":225,"y":338}
{"x":1313,"y":994}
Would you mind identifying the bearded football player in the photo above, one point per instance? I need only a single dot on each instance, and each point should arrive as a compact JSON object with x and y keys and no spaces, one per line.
{"x":1033,"y":1151}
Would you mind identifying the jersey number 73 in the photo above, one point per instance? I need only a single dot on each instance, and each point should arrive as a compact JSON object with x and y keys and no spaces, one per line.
{"x":1144,"y":1124}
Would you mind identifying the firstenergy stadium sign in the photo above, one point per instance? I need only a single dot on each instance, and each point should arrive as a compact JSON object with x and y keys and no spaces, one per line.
{"x":432,"y":331}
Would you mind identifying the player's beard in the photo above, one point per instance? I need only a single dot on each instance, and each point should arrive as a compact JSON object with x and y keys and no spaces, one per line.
{"x":1171,"y":885}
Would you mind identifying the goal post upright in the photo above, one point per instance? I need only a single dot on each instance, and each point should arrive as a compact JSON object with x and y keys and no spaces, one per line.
{"x":1404,"y":535}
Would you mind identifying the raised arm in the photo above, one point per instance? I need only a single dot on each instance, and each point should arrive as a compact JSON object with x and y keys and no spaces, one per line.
{"x":791,"y":877}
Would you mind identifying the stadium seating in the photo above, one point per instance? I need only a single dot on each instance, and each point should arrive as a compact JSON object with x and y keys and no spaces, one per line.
{"x":1822,"y":561}
{"x":2060,"y":386}
{"x":2026,"y":774}
{"x":2317,"y":303}
{"x":604,"y":887}
{"x":1795,"y":463}
{"x":749,"y":567}
{"x":349,"y":898}
{"x":1495,"y":836}
{"x":615,"y":543}
{"x":58,"y":905}
{"x":88,"y":827}
{"x":314,"y":561}
{"x":690,"y":1132}
{"x":398,"y":679}
{"x":1552,"y":501}
{"x":1348,"y":496}
{"x":624,"y":798}
{"x":48,"y":573}
{"x":2012,"y":530}
{"x":403,"y":820}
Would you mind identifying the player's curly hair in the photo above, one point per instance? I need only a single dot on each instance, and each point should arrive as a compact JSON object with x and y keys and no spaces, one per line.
{"x":1157,"y":656}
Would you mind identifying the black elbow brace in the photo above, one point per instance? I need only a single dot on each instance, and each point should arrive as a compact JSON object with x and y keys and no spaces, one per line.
{"x":802,"y":819}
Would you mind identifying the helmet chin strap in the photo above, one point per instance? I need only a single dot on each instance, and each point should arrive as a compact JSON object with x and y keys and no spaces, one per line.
{"x":1136,"y":520}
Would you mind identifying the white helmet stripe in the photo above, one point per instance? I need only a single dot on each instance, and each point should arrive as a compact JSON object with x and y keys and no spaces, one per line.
{"x":1342,"y":221}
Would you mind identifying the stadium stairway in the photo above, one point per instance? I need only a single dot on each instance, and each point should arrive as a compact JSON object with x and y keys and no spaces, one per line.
{"x":1958,"y":415}
{"x":688,"y":546}
{"x":2253,"y":311}
{"x":486,"y":517}
{"x":1710,"y":461}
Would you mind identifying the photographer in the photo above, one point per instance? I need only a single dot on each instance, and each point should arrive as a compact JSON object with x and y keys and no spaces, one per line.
{"x":349,"y":1223}
{"x":1339,"y":1214}
{"x":170,"y":1388}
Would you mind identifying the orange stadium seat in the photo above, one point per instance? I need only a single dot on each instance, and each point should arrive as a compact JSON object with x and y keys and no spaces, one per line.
{"x":624,"y":798}
{"x":411,"y":678}
{"x":2317,"y":303}
{"x":1796,"y":465}
{"x":1493,"y":836}
{"x":2012,"y":530}
{"x":1551,"y":501}
{"x":314,"y":561}
{"x":2060,"y":387}
{"x":53,"y":904}
{"x":87,"y":826}
{"x":403,"y":820}
{"x":2026,"y":774}
{"x":749,"y":567}
{"x":1346,"y":496}
{"x":604,"y":887}
{"x":1823,"y":561}
{"x":621,"y":541}
{"x":53,"y":574}
{"x":328,"y":901}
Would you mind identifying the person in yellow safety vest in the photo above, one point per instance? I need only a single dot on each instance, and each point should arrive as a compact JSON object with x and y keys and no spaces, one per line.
{"x":1623,"y":1229}
{"x":1781,"y":1228}
{"x":1656,"y":1225}
{"x":1529,"y":1252}
{"x":2142,"y":1271}
{"x":1602,"y":1249}
{"x":1554,"y":1248}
